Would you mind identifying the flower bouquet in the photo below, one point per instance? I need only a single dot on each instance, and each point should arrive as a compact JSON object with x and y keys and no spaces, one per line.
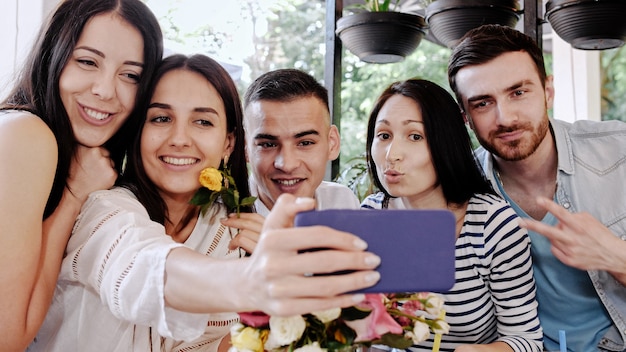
{"x":394,"y":320}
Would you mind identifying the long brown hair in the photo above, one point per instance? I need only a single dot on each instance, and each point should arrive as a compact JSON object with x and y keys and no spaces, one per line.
{"x":37,"y":88}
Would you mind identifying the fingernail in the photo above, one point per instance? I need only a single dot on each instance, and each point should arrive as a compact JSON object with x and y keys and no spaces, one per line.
{"x":372,"y":260}
{"x":358,"y":298}
{"x":360,"y":244}
{"x":372,"y":277}
{"x":303,"y":200}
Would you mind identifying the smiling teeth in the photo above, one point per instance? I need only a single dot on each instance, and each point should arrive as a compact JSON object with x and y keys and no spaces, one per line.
{"x":287,"y":182}
{"x":95,"y":114}
{"x":179,"y":161}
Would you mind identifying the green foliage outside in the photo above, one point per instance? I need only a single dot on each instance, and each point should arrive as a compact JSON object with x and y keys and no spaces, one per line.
{"x":295,"y":39}
{"x":614,"y":84}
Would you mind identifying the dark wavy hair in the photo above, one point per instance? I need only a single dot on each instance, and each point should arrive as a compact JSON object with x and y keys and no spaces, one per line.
{"x":449,"y":142}
{"x":485,"y":43}
{"x":135,"y":178}
{"x":37,"y":88}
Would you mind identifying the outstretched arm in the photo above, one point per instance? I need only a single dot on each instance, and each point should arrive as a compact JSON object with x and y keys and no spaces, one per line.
{"x":581,"y":241}
{"x":275,"y":279}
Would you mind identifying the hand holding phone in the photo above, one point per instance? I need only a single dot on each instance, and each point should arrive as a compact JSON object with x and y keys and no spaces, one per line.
{"x":417,"y":247}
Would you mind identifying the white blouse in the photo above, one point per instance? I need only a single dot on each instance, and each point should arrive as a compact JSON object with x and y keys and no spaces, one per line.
{"x":109,"y":295}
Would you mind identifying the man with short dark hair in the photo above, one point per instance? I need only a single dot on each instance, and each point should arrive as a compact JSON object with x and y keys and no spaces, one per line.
{"x":579,"y":259}
{"x":289,"y":141}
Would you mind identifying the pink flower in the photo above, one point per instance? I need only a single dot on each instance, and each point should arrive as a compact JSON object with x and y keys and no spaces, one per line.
{"x":410,"y":307}
{"x":255,"y":319}
{"x":377,"y":323}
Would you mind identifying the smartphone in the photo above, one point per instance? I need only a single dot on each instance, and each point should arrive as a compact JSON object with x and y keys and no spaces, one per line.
{"x":417,"y":247}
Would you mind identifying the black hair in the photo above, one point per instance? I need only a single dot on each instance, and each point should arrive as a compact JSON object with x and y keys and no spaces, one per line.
{"x":285,"y":85}
{"x":135,"y":177}
{"x":449,"y":142}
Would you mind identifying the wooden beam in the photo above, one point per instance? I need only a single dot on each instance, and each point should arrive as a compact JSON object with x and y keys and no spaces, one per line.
{"x":533,"y":10}
{"x":332,"y":70}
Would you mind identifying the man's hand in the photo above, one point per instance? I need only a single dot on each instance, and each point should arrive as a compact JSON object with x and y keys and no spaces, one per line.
{"x":581,"y":241}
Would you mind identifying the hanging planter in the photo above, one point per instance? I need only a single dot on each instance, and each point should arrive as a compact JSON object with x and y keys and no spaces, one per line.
{"x":381,"y":37}
{"x":449,"y":20}
{"x":589,"y":24}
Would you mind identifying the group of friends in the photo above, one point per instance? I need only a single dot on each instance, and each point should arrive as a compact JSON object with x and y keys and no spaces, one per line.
{"x":102,"y":141}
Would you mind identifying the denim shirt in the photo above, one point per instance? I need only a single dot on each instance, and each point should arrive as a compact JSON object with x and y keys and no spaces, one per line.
{"x":592,"y":178}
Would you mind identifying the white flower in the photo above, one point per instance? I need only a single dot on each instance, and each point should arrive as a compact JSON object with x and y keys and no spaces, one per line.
{"x":434,"y":304}
{"x":329,"y":315}
{"x":313,"y":347}
{"x":235,"y":329}
{"x":420,"y":332}
{"x":284,"y":330}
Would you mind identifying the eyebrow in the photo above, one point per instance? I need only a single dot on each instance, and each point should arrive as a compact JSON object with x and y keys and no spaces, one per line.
{"x":513,"y":87}
{"x":169,"y":107}
{"x":297,"y":135}
{"x":405,"y":122}
{"x":101,"y":54}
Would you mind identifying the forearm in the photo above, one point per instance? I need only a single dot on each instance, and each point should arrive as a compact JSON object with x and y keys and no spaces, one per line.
{"x":200,"y":284}
{"x":492,"y":347}
{"x":55,"y":231}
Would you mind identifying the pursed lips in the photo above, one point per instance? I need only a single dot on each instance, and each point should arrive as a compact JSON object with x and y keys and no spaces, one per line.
{"x":392,"y":172}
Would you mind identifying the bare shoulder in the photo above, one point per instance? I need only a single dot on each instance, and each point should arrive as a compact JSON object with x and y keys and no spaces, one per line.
{"x":28,"y":150}
{"x":24,"y":133}
{"x":18,"y":124}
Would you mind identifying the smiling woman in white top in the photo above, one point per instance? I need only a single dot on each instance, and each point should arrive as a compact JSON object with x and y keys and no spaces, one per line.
{"x":64,"y":129}
{"x":146,"y":270}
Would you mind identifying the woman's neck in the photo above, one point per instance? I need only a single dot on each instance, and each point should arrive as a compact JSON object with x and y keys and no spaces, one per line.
{"x":180,"y":220}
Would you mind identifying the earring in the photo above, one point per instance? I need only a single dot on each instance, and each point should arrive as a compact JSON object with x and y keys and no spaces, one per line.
{"x":225,"y":160}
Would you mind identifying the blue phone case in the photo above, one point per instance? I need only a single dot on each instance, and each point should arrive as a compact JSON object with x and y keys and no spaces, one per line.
{"x":416,"y":246}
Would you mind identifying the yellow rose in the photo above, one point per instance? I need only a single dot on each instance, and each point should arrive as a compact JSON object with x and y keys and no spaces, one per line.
{"x":211,"y":179}
{"x":249,"y":339}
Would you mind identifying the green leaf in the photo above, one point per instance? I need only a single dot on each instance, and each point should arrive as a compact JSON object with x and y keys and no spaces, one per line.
{"x":202,"y":196}
{"x":394,"y":341}
{"x":354,"y":313}
{"x":248,"y":201}
{"x":229,"y":199}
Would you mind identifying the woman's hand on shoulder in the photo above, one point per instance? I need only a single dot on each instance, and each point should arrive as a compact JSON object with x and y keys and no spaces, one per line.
{"x":91,"y":170}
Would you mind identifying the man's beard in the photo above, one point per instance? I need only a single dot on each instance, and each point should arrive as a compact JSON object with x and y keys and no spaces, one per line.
{"x":519,"y":149}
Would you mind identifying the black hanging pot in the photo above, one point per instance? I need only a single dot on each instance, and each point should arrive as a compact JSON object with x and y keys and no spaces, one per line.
{"x":381,"y":37}
{"x":449,"y":20}
{"x":589,"y":24}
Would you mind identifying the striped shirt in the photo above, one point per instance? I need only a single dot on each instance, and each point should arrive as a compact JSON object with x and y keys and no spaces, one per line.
{"x":493,"y":298}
